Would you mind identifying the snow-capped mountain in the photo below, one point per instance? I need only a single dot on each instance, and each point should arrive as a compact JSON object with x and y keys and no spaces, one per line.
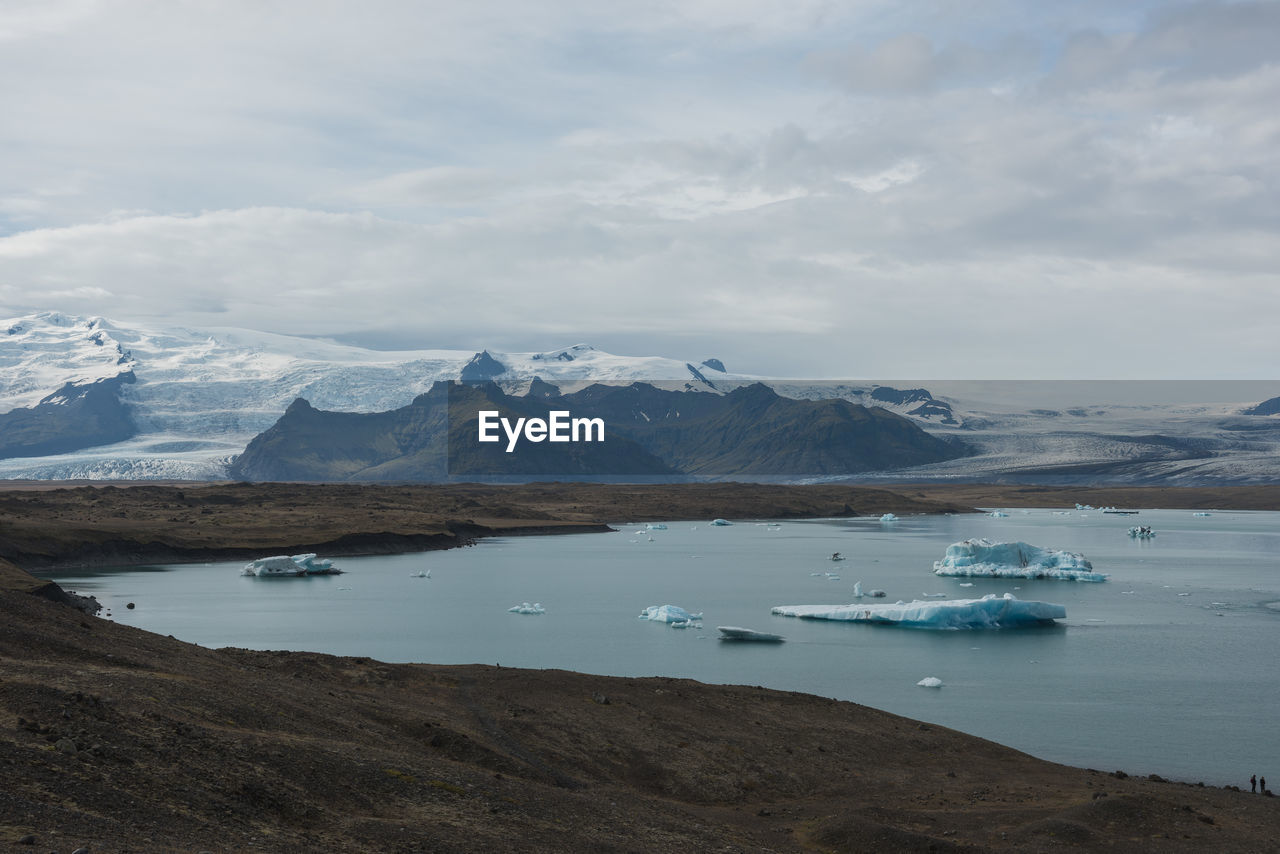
{"x":191,"y":400}
{"x":197,"y":397}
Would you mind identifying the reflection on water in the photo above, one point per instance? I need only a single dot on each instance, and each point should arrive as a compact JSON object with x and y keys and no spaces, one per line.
{"x":1166,"y":668}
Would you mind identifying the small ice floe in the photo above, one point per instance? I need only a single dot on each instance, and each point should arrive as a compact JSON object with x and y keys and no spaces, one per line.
{"x":656,"y":526}
{"x":876,"y":594}
{"x":1127,"y":592}
{"x":1184,"y":594}
{"x":1201,"y":513}
{"x":934,"y":595}
{"x":737,"y":633}
{"x":1142,"y":532}
{"x":930,"y":682}
{"x":998,"y":514}
{"x":290,"y":566}
{"x":857,"y":589}
{"x":966,"y":583}
{"x":814,"y":574}
{"x":888,"y":517}
{"x":832,"y":577}
{"x":1094,"y":620}
{"x":420,"y":574}
{"x":836,"y":556}
{"x":721,"y":523}
{"x":669,"y":614}
{"x":526,"y":608}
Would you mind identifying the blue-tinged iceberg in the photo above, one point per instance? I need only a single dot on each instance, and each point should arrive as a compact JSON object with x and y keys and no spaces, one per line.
{"x":669,"y":614}
{"x":526,"y":608}
{"x":988,"y":612}
{"x":987,"y":559}
{"x":290,"y":566}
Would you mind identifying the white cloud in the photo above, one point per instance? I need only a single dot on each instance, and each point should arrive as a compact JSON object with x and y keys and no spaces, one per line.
{"x":859,"y":184}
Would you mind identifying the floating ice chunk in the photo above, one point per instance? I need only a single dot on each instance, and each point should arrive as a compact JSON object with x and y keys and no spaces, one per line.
{"x":998,"y":514}
{"x":930,"y":682}
{"x":1141,"y":532}
{"x":985,"y":613}
{"x":966,"y":583}
{"x":979,"y":557}
{"x":876,"y":594}
{"x":888,"y":517}
{"x":740,"y":634}
{"x":290,"y":566}
{"x":656,"y":526}
{"x":1201,"y":513}
{"x":934,"y":595}
{"x":721,"y":523}
{"x":669,"y":614}
{"x":857,"y":589}
{"x":526,"y":608}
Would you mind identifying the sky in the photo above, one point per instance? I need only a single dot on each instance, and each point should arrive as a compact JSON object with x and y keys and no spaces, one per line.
{"x":950,"y":190}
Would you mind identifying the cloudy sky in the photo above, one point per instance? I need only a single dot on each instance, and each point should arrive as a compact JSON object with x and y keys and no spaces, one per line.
{"x":847,"y":189}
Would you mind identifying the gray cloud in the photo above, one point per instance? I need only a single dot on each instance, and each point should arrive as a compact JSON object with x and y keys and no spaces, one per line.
{"x":880,"y":189}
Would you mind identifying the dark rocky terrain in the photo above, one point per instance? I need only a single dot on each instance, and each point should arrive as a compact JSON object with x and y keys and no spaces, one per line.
{"x":117,"y":739}
{"x":650,"y":431}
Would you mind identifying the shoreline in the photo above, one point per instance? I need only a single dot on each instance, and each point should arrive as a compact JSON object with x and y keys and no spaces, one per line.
{"x":459,"y":753}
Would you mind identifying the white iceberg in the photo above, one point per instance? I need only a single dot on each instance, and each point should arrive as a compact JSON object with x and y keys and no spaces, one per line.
{"x":985,"y":613}
{"x":1141,"y":532}
{"x":980,"y":557}
{"x":1201,"y":513}
{"x":669,"y":614}
{"x":656,"y":526}
{"x":888,"y":517}
{"x":526,"y":608}
{"x":738,"y":633}
{"x":290,"y":566}
{"x":930,"y":682}
{"x":998,"y":514}
{"x":720,"y":523}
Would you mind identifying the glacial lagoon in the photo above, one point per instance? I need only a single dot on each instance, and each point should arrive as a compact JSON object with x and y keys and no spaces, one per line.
{"x":1168,"y":667}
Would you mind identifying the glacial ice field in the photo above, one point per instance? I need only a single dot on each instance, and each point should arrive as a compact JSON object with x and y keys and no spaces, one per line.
{"x":1168,"y":668}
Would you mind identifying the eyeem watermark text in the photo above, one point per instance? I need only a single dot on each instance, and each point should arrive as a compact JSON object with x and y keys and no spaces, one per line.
{"x":559,"y":426}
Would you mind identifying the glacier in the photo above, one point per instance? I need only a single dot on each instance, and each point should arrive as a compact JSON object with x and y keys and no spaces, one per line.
{"x":987,"y":559}
{"x":989,"y":612}
{"x":202,"y":394}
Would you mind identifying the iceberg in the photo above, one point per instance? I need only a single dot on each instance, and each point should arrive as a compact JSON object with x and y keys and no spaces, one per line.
{"x":888,"y":517}
{"x":526,"y":608}
{"x":720,"y":523}
{"x":1141,"y":532}
{"x":985,"y":613}
{"x":1201,"y":513}
{"x":656,"y":526}
{"x":669,"y":614}
{"x":290,"y":566}
{"x":998,"y":514}
{"x":930,"y":682}
{"x":737,"y":633}
{"x":980,"y":557}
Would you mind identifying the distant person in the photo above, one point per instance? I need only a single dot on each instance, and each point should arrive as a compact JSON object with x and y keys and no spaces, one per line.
{"x":1253,"y":782}
{"x":1262,"y":782}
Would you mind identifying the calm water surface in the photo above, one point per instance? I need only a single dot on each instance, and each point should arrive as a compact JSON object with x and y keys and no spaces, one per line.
{"x":1169,"y":668}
